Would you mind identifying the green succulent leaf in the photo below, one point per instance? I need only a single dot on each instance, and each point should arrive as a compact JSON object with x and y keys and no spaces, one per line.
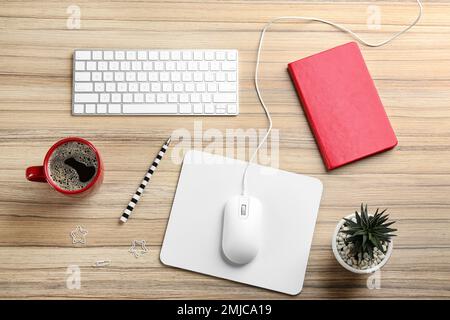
{"x":369,"y":231}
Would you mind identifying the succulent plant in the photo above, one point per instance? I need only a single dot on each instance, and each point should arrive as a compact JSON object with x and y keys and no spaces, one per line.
{"x":368,"y":231}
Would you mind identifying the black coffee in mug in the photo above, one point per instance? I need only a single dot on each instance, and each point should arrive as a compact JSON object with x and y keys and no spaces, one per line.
{"x":73,"y":165}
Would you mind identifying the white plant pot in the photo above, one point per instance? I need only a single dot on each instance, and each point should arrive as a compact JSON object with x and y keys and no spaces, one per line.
{"x":345,"y":264}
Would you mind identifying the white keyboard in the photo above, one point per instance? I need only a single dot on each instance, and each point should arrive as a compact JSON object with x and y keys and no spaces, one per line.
{"x":155,"y":82}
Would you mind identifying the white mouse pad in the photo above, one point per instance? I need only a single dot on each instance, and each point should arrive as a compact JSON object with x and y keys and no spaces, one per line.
{"x":194,"y":231}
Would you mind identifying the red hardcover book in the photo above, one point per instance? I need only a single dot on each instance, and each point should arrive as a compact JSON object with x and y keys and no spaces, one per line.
{"x":342,"y":105}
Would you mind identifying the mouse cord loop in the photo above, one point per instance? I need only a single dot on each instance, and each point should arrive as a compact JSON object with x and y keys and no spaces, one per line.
{"x":337,"y":26}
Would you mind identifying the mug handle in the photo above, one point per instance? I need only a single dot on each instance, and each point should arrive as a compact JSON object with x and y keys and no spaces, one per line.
{"x":36,"y":174}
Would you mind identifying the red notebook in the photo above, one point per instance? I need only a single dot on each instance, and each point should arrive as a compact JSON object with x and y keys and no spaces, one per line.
{"x":342,"y":105}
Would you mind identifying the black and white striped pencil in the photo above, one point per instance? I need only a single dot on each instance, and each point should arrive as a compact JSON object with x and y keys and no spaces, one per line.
{"x":140,"y":190}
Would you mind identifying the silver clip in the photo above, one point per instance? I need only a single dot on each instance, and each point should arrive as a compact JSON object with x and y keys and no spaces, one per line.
{"x":138,"y":248}
{"x":79,"y":235}
{"x":102,"y":263}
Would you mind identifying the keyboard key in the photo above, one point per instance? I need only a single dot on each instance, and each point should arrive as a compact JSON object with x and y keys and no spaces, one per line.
{"x":192,"y":65}
{"x":220,"y":55}
{"x":142,"y":55}
{"x":127,"y":97}
{"x":144,"y":87}
{"x":108,"y":76}
{"x":101,"y":108}
{"x":80,"y":65}
{"x":161,"y":97}
{"x":215,"y":66}
{"x":120,"y":55}
{"x":224,"y":97}
{"x":108,"y":55}
{"x":172,"y":97}
{"x":198,"y":108}
{"x":150,"y":97}
{"x":206,"y":97}
{"x":119,"y":76}
{"x":138,"y":97}
{"x":96,"y":76}
{"x":164,"y":76}
{"x":167,"y":87}
{"x":153,"y":55}
{"x":212,"y":87}
{"x":200,"y":87}
{"x":220,"y":76}
{"x":104,"y":97}
{"x":136,"y":65}
{"x":78,"y":108}
{"x":114,"y":108}
{"x":187,"y":76}
{"x":221,"y":108}
{"x":181,"y":65}
{"x":164,"y":55}
{"x":227,"y":87}
{"x":83,"y":87}
{"x":232,"y":108}
{"x":209,"y":76}
{"x":148,"y":108}
{"x":122,"y":87}
{"x":97,"y":55}
{"x":175,"y":76}
{"x":142,"y":76}
{"x":231,"y":55}
{"x":114,"y":65}
{"x":130,"y":76}
{"x":171,"y":66}
{"x":99,"y":87}
{"x":209,"y":108}
{"x":83,"y":55}
{"x":131,"y":55}
{"x":184,"y":97}
{"x":203,"y":66}
{"x":153,"y":76}
{"x":187,"y":55}
{"x":86,"y":97}
{"x":155,"y":87}
{"x":195,"y":97}
{"x":189,"y":87}
{"x":185,"y":108}
{"x":158,"y":65}
{"x":231,"y":76}
{"x":198,"y":76}
{"x":110,"y":87}
{"x":209,"y":55}
{"x":147,"y":65}
{"x":175,"y":55}
{"x":229,"y":65}
{"x":116,"y":97}
{"x":198,"y":55}
{"x":90,"y":108}
{"x":133,"y":87}
{"x":125,"y":65}
{"x":178,"y":87}
{"x":91,"y":65}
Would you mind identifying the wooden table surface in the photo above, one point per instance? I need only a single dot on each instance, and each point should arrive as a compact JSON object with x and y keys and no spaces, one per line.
{"x":413,"y":180}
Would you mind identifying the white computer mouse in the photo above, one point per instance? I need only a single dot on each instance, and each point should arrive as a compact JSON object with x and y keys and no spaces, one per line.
{"x":242,"y":229}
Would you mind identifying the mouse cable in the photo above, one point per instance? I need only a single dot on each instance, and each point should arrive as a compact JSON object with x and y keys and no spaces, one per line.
{"x":337,"y":26}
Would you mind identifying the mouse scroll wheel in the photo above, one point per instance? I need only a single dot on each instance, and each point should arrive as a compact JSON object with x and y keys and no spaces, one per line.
{"x":243,"y":210}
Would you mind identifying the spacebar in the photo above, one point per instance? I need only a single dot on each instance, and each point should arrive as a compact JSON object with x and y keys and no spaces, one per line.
{"x":150,"y":108}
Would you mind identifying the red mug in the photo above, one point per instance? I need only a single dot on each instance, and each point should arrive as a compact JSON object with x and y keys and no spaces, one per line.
{"x":42,"y":174}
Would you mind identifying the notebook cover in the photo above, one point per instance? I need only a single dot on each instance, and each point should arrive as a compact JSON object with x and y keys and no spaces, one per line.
{"x":342,"y":105}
